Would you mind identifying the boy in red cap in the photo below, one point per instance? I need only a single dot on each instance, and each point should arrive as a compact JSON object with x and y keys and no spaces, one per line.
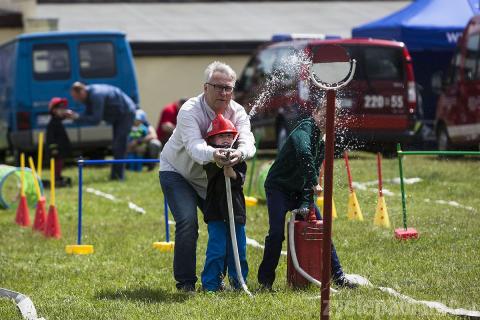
{"x":58,"y":143}
{"x":222,"y":134}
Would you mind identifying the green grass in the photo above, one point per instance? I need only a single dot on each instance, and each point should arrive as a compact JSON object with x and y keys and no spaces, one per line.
{"x":126,"y":279}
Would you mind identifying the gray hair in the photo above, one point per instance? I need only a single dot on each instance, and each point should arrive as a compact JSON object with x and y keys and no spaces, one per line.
{"x":221,"y":67}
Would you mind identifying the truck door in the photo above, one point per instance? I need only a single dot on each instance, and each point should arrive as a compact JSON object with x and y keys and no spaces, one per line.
{"x":460,"y":102}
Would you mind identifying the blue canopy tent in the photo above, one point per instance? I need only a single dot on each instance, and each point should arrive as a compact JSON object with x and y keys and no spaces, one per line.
{"x":430,"y":29}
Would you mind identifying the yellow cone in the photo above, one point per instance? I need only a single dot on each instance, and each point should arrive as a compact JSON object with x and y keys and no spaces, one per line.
{"x":251,"y":201}
{"x":381,"y":214}
{"x":163,"y":246}
{"x":334,"y":209}
{"x":354,"y":212}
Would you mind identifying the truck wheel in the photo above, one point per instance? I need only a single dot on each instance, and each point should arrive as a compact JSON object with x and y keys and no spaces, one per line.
{"x":443,"y":140}
{"x":282,"y":134}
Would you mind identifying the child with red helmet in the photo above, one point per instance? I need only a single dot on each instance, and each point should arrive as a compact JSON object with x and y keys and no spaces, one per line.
{"x":219,"y":256}
{"x":57,"y":141}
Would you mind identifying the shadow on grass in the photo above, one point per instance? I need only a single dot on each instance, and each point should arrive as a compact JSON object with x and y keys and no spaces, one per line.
{"x":144,"y":295}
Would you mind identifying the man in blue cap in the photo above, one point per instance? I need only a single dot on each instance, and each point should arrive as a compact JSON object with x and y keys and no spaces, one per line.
{"x":108,"y":103}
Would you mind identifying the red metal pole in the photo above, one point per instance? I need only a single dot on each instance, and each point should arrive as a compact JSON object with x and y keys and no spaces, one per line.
{"x":349,"y":174}
{"x":379,"y":168}
{"x":327,"y":205}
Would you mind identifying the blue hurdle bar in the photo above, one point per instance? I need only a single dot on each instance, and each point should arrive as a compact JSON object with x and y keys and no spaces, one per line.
{"x":81,"y":163}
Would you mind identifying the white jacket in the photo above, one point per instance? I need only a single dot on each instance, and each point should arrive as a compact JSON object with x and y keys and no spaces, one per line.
{"x":187,"y":151}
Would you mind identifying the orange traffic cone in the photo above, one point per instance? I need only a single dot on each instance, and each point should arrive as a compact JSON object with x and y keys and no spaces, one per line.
{"x":40,"y":215}
{"x":52,"y":228}
{"x":40,"y":212}
{"x":23,"y":214}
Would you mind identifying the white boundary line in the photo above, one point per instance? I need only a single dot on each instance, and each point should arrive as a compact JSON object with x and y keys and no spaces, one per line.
{"x":362,"y":281}
{"x":365,"y":186}
{"x":110,"y":197}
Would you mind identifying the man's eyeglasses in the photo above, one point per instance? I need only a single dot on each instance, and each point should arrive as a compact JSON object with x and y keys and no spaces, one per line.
{"x":218,"y":88}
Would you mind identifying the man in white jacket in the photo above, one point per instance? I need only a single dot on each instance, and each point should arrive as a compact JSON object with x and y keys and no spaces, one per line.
{"x":183,"y":180}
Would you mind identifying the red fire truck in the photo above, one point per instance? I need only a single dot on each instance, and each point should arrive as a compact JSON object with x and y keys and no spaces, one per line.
{"x":458,"y":107}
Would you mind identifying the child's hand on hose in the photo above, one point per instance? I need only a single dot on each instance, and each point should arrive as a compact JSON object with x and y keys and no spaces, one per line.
{"x":229,"y":172}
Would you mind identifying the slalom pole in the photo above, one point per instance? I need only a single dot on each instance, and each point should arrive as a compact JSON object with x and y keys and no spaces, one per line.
{"x":405,"y":233}
{"x":379,"y":170}
{"x":22,"y":174}
{"x":252,"y":171}
{"x":402,"y":188}
{"x":80,"y":195}
{"x":40,"y":155}
{"x":349,"y":173}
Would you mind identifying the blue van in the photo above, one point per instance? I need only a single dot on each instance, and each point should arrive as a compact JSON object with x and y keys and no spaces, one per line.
{"x":36,"y":67}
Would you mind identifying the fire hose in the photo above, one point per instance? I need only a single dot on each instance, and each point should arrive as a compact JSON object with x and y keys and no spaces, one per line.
{"x":293,"y":253}
{"x":233,"y":235}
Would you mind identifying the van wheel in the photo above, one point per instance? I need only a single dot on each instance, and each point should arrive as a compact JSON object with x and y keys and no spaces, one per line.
{"x":443,"y":140}
{"x":282,"y":134}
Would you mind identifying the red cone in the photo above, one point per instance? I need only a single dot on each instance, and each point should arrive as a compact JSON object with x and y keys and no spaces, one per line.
{"x":52,"y":228}
{"x":40,"y":215}
{"x":23,"y":214}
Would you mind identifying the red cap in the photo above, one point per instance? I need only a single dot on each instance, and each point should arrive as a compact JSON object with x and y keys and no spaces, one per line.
{"x":220,"y":125}
{"x":57,"y":103}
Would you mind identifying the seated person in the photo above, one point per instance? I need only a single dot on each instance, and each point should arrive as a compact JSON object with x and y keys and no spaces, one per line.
{"x":137,"y":143}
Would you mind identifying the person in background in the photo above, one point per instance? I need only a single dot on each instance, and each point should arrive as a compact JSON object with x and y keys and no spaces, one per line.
{"x":168,"y":120}
{"x":57,"y":141}
{"x":153,"y":145}
{"x":108,"y":103}
{"x":222,"y":134}
{"x":137,"y":143}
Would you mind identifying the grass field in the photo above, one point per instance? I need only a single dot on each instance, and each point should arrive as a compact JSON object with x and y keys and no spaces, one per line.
{"x":126,"y":279}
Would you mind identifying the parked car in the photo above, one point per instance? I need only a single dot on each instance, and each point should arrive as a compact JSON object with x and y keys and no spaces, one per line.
{"x":457,"y":123}
{"x":36,"y":67}
{"x":377,"y":107}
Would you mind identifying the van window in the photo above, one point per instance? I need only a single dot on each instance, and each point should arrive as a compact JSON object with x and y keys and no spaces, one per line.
{"x":97,"y":60}
{"x":257,"y":70}
{"x":384,"y":64}
{"x":51,"y":62}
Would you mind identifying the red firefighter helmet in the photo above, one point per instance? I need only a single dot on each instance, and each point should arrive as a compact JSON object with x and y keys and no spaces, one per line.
{"x":57,"y":103}
{"x":221,"y":125}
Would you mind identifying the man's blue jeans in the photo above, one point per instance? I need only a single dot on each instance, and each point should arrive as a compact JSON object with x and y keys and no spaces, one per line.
{"x":278,"y":204}
{"x":220,"y":247}
{"x":183,"y":200}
